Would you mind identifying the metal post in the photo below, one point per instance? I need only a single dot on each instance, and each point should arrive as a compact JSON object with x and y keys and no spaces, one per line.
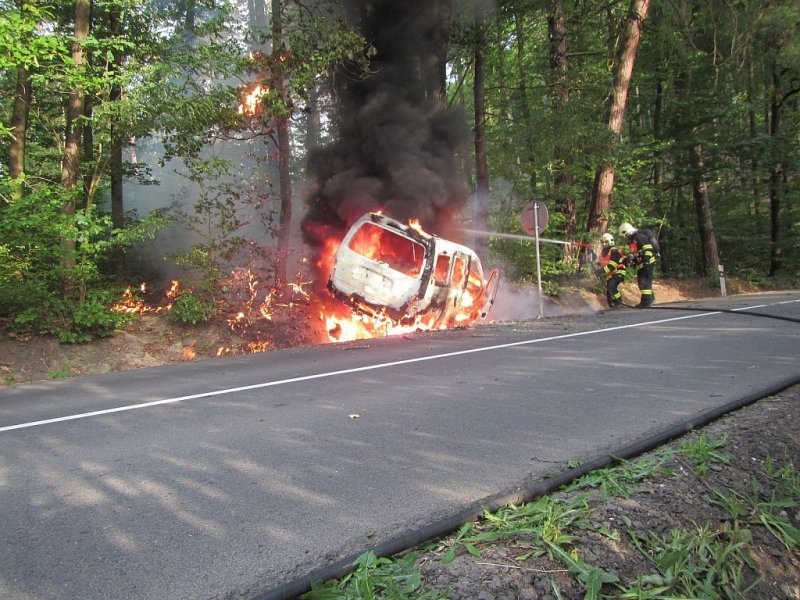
{"x":722,"y":280}
{"x":538,"y":260}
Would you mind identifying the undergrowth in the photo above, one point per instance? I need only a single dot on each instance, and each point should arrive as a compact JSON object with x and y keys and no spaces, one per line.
{"x":711,"y":560}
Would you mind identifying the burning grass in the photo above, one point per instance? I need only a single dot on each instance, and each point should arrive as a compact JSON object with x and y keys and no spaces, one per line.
{"x":426,"y":283}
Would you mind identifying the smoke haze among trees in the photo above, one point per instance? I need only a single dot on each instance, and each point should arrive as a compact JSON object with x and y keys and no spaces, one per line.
{"x":458,"y":113}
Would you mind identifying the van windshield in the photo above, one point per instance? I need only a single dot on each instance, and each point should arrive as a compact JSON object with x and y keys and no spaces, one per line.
{"x":389,"y":247}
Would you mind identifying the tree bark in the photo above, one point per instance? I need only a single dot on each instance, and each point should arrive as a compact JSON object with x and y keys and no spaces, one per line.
{"x":775,"y":257}
{"x":444,"y":10}
{"x":115,"y":161}
{"x":623,"y":68}
{"x":559,"y":71}
{"x":19,"y":125}
{"x":776,"y":171}
{"x":71,"y":162}
{"x":481,"y":167}
{"x":522,"y":106}
{"x":313,"y":119}
{"x":702,"y":205}
{"x":284,"y":151}
{"x":700,"y":187}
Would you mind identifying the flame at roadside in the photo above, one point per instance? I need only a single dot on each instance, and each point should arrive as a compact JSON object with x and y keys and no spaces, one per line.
{"x":342,"y":323}
{"x":132,"y":302}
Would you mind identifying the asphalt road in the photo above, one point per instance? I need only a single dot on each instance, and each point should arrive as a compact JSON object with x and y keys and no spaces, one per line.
{"x":233,"y":478}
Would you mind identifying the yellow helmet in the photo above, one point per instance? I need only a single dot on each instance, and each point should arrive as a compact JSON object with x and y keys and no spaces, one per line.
{"x":627,"y":229}
{"x":607,"y":239}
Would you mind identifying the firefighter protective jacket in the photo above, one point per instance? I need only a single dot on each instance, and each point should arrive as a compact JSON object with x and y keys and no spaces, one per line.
{"x":641,"y":245}
{"x":612,"y":261}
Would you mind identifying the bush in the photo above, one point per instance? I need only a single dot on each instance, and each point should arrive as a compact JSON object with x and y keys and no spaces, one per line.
{"x":74,"y":321}
{"x":190,"y":308}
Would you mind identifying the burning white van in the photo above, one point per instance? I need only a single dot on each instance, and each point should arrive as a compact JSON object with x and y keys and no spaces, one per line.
{"x":386,"y":268}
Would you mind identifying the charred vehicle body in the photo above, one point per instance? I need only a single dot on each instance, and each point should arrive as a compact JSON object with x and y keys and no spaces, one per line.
{"x":386,"y":268}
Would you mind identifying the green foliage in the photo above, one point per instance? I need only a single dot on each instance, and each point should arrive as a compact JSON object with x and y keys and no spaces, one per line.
{"x":544,"y":521}
{"x":22,"y":41}
{"x":702,"y":451}
{"x":754,"y":509}
{"x":318,"y":46}
{"x":592,"y":577}
{"x":704,"y":80}
{"x":703,"y":563}
{"x":72,"y":320}
{"x":620,"y":479}
{"x":518,"y":256}
{"x":707,"y":80}
{"x":191,"y":308}
{"x":785,"y":474}
{"x":32,"y":273}
{"x":62,"y":373}
{"x":376,"y":578}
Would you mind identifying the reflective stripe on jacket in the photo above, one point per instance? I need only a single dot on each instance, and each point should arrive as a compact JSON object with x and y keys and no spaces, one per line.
{"x":611,"y":259}
{"x":639,"y":243}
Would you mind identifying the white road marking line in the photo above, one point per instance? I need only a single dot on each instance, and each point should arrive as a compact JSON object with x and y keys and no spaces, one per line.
{"x":406,"y":361}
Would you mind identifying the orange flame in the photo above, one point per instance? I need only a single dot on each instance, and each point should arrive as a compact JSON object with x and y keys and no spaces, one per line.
{"x":251,"y":96}
{"x":132,"y":304}
{"x":343,"y":324}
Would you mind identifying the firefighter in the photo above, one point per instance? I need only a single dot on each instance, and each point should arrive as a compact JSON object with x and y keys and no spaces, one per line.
{"x":643,"y":248}
{"x":611,"y":264}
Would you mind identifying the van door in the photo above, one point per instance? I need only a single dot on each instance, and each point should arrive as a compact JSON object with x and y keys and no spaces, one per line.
{"x":455,"y":288}
{"x":440,"y":282}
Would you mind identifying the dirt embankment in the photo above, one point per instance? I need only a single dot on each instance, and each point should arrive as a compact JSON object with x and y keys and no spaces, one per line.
{"x":159,"y":339}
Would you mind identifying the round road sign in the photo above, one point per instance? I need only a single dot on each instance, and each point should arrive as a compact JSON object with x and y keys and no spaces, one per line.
{"x":534,"y":214}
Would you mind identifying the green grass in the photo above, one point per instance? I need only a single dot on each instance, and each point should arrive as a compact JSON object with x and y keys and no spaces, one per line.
{"x":702,"y":451}
{"x":620,"y":480}
{"x":62,"y":373}
{"x":698,"y":563}
{"x":376,"y":578}
{"x":702,"y":561}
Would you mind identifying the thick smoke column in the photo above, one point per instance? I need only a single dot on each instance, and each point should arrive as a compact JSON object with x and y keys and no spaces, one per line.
{"x":397,"y":145}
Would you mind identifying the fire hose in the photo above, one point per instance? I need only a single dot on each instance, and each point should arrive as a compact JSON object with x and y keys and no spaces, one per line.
{"x":721,"y":310}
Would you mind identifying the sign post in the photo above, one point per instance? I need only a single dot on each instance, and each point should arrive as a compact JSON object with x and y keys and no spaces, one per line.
{"x":534,"y":218}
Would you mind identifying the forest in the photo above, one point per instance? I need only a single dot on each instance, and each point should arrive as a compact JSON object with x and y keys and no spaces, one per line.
{"x":222,"y":145}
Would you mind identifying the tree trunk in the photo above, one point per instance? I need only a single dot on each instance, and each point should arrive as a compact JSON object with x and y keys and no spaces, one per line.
{"x":559,"y":71}
{"x":19,"y":125}
{"x":702,"y":205}
{"x":313,"y":119}
{"x":775,"y":252}
{"x":444,"y":10}
{"x":282,"y":127}
{"x":89,"y":182}
{"x":775,"y":257}
{"x":115,"y":159}
{"x":700,"y":191}
{"x":481,"y":167}
{"x":752,"y":121}
{"x":658,"y":112}
{"x":623,"y":69}
{"x":70,"y":165}
{"x":522,"y":106}
{"x":189,"y":19}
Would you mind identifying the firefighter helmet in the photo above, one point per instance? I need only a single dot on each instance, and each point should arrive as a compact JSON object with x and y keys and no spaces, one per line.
{"x":626,"y":229}
{"x":607,"y":239}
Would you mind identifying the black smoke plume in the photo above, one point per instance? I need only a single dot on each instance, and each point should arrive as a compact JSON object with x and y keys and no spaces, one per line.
{"x":397,"y":146}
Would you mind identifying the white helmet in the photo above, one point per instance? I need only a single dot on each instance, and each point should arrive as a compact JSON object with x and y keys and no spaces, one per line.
{"x":627,"y":229}
{"x":607,"y":239}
